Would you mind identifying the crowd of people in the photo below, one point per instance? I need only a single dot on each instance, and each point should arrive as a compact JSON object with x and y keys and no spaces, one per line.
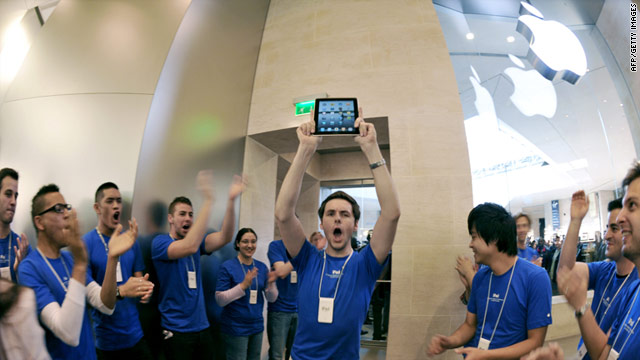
{"x":318,"y":291}
{"x":320,"y":286}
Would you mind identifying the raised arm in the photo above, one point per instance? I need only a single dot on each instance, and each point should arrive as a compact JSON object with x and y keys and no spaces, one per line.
{"x":573,"y":285}
{"x":579,"y":208}
{"x":384,"y":231}
{"x":119,"y":244}
{"x":216,"y":240}
{"x":191,"y":242}
{"x":290,"y":227}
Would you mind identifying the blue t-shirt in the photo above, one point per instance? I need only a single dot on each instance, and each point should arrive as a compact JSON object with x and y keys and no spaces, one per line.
{"x":239,"y":318}
{"x":181,"y":309}
{"x":122,"y":329}
{"x":36,"y":274}
{"x":602,"y":276}
{"x":287,"y":292}
{"x":528,"y":253}
{"x":341,"y":338}
{"x":625,"y":337}
{"x":528,"y":304}
{"x":8,"y":255}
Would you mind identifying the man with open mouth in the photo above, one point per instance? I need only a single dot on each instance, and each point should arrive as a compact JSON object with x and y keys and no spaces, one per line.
{"x":335,"y":285}
{"x":176,"y":258}
{"x":120,"y":334}
{"x":13,"y":248}
{"x":61,"y":280}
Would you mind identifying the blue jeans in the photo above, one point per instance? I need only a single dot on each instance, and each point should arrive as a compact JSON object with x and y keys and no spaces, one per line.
{"x":281,"y":328}
{"x":243,"y":347}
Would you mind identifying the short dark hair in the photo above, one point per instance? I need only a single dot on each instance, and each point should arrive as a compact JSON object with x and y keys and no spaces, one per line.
{"x":8,"y":172}
{"x":614,"y":204}
{"x":522,"y":215}
{"x":632,"y":174}
{"x":344,"y":196}
{"x":100,"y":192}
{"x":494,"y":223}
{"x":239,"y":236}
{"x":37,"y":203}
{"x":179,"y":200}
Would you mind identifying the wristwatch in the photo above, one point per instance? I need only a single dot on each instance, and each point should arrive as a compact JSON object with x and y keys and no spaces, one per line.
{"x":118,"y":296}
{"x":377,"y":164}
{"x":581,"y":311}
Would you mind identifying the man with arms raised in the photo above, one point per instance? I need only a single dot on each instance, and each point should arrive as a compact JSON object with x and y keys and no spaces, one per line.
{"x":61,"y":281}
{"x":608,"y":279}
{"x":176,"y":258}
{"x":510,"y":303}
{"x":119,"y":334}
{"x":12,"y":248}
{"x":623,"y":340}
{"x":335,"y":285}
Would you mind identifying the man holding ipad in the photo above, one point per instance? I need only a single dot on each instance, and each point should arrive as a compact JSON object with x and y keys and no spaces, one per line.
{"x":335,"y":285}
{"x":510,"y":303}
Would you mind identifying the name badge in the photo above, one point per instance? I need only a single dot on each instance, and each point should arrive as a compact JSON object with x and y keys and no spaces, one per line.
{"x":118,"y":272}
{"x":613,"y":355}
{"x":5,"y":273}
{"x":253,"y":297}
{"x":191,"y":276}
{"x":325,"y":310}
{"x":582,"y":351}
{"x":483,"y":344}
{"x":294,"y":276}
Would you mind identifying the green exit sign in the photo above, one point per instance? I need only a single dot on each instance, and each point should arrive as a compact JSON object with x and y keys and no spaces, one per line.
{"x":303,"y":108}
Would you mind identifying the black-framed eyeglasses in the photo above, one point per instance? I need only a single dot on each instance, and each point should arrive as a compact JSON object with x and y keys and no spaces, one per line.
{"x":58,"y":208}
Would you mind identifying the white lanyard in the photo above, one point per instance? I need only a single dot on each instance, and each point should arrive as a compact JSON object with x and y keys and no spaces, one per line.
{"x":624,"y":322}
{"x":54,"y":271}
{"x":612,"y":300}
{"x":245,"y":273}
{"x":504,"y":301}
{"x":106,"y":248}
{"x":339,"y":277}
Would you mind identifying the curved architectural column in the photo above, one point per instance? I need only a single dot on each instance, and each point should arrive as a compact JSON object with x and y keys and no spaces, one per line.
{"x":393,"y":57}
{"x":76,"y":111}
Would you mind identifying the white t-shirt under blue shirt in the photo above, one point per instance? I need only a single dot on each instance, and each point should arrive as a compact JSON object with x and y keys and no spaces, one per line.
{"x":341,"y":338}
{"x":181,"y":308}
{"x":528,"y":304}
{"x":122,"y":329}
{"x":36,"y":274}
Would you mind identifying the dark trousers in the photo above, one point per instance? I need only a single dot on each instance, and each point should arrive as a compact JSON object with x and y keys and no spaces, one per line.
{"x":195,"y":345}
{"x":138,"y":351}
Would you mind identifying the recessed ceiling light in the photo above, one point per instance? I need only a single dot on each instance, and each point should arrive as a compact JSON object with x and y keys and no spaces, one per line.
{"x":566,"y":115}
{"x":621,"y":104}
{"x":470,"y":36}
{"x":511,"y":39}
{"x":604,"y":101}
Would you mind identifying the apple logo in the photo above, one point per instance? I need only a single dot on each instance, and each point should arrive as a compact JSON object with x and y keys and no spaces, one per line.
{"x":554,"y":49}
{"x":533,"y":94}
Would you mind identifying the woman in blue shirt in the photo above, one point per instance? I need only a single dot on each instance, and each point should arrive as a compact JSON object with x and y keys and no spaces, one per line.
{"x":241,"y":283}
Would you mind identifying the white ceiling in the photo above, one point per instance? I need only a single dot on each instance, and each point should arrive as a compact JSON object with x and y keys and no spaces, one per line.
{"x":583,"y":110}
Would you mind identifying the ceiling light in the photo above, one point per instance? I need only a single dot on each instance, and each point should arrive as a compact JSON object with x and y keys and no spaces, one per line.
{"x":470,"y":36}
{"x":511,"y":39}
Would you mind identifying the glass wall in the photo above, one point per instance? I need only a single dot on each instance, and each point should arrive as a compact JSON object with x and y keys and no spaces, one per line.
{"x":533,"y":142}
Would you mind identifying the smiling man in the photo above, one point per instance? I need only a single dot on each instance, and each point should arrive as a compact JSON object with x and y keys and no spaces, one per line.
{"x":120,"y":334}
{"x":13,"y":248}
{"x":510,"y":303}
{"x":176,"y":258}
{"x":608,"y":279}
{"x":623,"y":341}
{"x":335,"y":285}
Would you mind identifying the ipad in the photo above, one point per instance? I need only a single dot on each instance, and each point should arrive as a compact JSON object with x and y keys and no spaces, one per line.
{"x":336,"y":116}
